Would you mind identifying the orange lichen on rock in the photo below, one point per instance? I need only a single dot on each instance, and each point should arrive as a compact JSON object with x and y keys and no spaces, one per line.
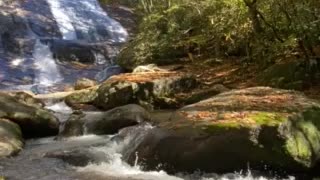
{"x":143,"y":77}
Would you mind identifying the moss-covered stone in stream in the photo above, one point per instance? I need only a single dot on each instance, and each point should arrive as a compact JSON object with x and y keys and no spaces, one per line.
{"x":86,"y":96}
{"x":260,"y":126}
{"x":33,"y":120}
{"x":303,"y":136}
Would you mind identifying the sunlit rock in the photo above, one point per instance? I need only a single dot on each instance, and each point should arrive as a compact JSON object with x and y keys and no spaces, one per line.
{"x":261,"y":127}
{"x":11,"y":141}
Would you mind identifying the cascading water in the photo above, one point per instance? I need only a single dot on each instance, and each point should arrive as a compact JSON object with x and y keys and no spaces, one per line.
{"x":86,"y":20}
{"x":47,"y":72}
{"x":64,"y":22}
{"x":108,"y":164}
{"x":57,"y":29}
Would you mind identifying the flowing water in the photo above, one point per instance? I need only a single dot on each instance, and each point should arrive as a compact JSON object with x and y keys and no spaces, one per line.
{"x":107,"y":151}
{"x":53,"y":23}
{"x":47,"y":70}
{"x":86,"y":22}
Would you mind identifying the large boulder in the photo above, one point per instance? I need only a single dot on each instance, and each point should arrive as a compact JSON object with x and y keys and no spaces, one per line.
{"x":34,"y":121}
{"x":150,"y":89}
{"x":260,"y":127}
{"x":11,"y":141}
{"x":108,"y":122}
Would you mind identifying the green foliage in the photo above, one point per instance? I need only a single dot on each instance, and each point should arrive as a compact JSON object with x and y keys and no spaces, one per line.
{"x":257,"y":30}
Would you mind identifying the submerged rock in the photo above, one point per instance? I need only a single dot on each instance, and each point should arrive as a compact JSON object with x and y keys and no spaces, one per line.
{"x":149,"y":89}
{"x":108,"y":122}
{"x":34,"y":121}
{"x":79,"y":157}
{"x":260,"y":127}
{"x":74,"y":126}
{"x":11,"y":141}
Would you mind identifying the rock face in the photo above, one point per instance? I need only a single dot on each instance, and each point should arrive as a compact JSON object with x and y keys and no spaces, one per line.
{"x":11,"y":141}
{"x":149,"y":89}
{"x":108,"y":122}
{"x":78,"y":51}
{"x":34,"y":121}
{"x":257,"y":126}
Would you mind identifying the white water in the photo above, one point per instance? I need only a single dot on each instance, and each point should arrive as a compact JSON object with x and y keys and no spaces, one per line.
{"x":80,"y":20}
{"x":47,"y":69}
{"x":117,"y":168}
{"x":63,"y":20}
{"x":32,"y":165}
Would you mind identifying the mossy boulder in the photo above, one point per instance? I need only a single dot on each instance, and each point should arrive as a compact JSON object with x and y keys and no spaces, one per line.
{"x":152,"y":90}
{"x":34,"y":121}
{"x":260,"y":127}
{"x":78,"y":98}
{"x":11,"y":141}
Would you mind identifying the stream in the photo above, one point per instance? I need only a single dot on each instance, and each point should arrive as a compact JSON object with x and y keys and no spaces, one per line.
{"x":84,"y":27}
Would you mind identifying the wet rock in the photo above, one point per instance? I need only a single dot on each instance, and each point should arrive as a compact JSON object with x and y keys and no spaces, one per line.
{"x":262,"y":127}
{"x":11,"y":141}
{"x":287,"y":75}
{"x":150,"y":89}
{"x":108,"y":72}
{"x":84,"y":83}
{"x":78,"y":51}
{"x":108,"y":122}
{"x":34,"y":121}
{"x":74,"y":126}
{"x":78,"y":157}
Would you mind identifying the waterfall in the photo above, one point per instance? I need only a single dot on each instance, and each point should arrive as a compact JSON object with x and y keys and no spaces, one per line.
{"x":86,"y":20}
{"x":63,"y":20}
{"x":47,"y":70}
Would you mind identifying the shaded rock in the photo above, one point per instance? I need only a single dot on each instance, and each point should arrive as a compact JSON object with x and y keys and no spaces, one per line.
{"x":108,"y":122}
{"x":34,"y":121}
{"x":11,"y":141}
{"x":151,"y":89}
{"x":287,"y":75}
{"x":84,"y":83}
{"x":74,"y":126}
{"x":196,"y":96}
{"x":108,"y":72}
{"x":133,"y":55}
{"x":78,"y":51}
{"x":260,"y":126}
